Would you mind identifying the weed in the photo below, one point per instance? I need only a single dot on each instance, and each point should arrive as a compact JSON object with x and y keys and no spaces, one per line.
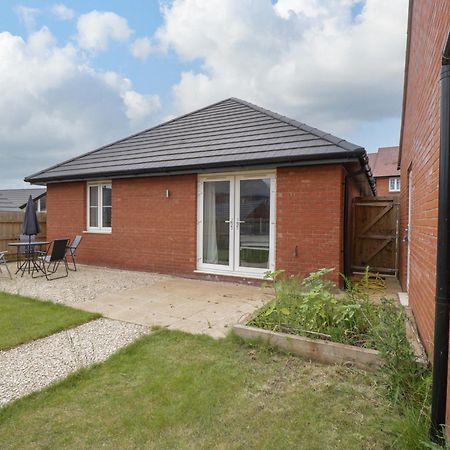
{"x":309,"y":307}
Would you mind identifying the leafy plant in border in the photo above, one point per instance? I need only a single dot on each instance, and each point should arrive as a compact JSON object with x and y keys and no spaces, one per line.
{"x":309,"y":307}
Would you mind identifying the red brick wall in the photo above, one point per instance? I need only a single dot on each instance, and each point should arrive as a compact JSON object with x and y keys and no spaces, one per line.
{"x":155,"y":233}
{"x":149,"y":231}
{"x":310,"y":205}
{"x":383,"y":188}
{"x":420,"y":152}
{"x":430,"y":22}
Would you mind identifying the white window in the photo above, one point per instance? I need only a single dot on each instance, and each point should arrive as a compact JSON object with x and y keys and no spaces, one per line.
{"x":99,"y":205}
{"x":41,"y":204}
{"x":394,"y":184}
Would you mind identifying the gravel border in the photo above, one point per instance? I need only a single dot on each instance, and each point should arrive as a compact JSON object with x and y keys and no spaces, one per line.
{"x":33,"y":366}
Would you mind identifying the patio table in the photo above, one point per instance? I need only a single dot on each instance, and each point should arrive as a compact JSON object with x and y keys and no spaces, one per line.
{"x":29,"y":262}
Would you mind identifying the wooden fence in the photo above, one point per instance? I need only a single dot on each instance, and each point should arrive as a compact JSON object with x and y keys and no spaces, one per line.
{"x":375,"y":234}
{"x":11,"y":227}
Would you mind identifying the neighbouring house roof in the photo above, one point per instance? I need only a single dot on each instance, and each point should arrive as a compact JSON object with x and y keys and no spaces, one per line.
{"x":227,"y":134}
{"x":14,"y":199}
{"x":384,"y":162}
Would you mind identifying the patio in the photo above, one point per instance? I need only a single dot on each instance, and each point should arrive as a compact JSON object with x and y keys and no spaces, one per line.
{"x":196,"y":306}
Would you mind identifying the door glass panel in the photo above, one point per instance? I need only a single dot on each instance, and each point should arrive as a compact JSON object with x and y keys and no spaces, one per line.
{"x":254,"y":225}
{"x":216,"y":226}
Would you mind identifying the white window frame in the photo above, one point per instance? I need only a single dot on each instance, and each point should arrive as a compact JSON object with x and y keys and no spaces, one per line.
{"x":395,"y":181}
{"x":38,"y":206}
{"x":100,"y":228}
{"x":233,"y":269}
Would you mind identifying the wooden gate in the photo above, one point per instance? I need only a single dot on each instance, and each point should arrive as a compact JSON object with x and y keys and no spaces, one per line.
{"x":375,"y":234}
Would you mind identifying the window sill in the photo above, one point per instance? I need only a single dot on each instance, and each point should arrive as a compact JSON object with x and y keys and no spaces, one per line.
{"x":97,"y":232}
{"x":224,"y":273}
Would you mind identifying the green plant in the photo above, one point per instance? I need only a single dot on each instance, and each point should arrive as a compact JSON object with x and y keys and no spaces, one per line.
{"x":309,"y":307}
{"x":406,"y":380}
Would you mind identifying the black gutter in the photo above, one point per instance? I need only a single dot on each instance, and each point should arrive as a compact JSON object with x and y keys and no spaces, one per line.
{"x":405,"y":81}
{"x":442,"y":305}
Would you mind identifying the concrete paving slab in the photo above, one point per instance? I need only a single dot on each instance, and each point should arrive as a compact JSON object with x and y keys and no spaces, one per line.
{"x":195,"y":306}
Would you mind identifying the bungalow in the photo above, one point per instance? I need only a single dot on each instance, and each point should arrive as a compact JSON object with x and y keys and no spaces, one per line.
{"x":231,"y":189}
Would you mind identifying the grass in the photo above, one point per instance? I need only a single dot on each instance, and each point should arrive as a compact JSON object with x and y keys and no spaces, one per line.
{"x":175,"y":390}
{"x":23,"y":319}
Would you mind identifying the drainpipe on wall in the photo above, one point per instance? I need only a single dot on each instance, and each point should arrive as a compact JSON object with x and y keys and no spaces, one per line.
{"x":442,"y":306}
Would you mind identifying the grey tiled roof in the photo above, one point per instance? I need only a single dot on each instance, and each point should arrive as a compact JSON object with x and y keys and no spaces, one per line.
{"x":226,"y":134}
{"x":13,"y":199}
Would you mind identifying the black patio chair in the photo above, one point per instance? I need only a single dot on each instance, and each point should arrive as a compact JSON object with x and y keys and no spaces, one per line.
{"x":5,"y":263}
{"x":49,"y":263}
{"x":72,"y":251}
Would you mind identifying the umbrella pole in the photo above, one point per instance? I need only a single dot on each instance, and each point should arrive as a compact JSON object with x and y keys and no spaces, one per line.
{"x":29,"y":253}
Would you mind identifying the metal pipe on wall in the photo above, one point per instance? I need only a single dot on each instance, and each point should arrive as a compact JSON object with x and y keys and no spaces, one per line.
{"x":442,"y":305}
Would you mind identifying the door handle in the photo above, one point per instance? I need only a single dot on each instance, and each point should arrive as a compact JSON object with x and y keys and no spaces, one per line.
{"x":240,"y":221}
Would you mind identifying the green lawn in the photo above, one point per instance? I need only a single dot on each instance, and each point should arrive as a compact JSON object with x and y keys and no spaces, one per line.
{"x":23,"y":319}
{"x":174,"y":390}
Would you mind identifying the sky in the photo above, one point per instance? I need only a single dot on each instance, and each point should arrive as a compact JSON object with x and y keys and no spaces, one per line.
{"x":81,"y":74}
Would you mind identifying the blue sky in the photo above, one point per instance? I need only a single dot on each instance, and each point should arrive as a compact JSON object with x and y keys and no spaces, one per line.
{"x":73,"y":79}
{"x":157,"y":74}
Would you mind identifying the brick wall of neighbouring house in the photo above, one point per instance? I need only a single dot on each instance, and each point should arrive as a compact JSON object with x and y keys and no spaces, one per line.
{"x":310,"y":205}
{"x":150,"y":232}
{"x":430,"y":23}
{"x":155,"y":233}
{"x":383,"y":188}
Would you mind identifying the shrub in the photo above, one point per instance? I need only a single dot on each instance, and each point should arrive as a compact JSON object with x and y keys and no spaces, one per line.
{"x":309,"y":307}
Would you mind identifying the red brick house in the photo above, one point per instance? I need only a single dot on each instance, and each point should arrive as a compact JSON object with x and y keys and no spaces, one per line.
{"x":428,"y":27}
{"x":231,"y":189}
{"x":384,"y":165}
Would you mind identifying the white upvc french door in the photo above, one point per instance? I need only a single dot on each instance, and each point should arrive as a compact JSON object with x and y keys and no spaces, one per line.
{"x":236,"y":223}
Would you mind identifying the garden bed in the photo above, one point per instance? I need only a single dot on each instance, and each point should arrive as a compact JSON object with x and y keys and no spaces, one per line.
{"x":308,"y":320}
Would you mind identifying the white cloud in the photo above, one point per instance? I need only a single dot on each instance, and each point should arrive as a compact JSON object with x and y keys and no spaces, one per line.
{"x":55,"y":105}
{"x":96,"y":29}
{"x":27,"y":16}
{"x":309,"y":59}
{"x":141,"y":48}
{"x":139,"y":107}
{"x":62,"y":12}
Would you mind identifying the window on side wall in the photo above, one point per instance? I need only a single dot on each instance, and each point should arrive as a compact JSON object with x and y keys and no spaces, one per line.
{"x":99,"y":206}
{"x":394,"y":184}
{"x":41,"y":204}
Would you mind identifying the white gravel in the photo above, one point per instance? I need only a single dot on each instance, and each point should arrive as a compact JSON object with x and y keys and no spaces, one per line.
{"x":88,"y":283}
{"x":33,"y":366}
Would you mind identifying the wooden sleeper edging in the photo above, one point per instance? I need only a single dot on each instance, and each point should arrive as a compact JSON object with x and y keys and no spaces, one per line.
{"x":313,"y":349}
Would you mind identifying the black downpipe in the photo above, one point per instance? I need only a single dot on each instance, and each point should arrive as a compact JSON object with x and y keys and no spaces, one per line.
{"x":441,"y":323}
{"x":346,"y":227}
